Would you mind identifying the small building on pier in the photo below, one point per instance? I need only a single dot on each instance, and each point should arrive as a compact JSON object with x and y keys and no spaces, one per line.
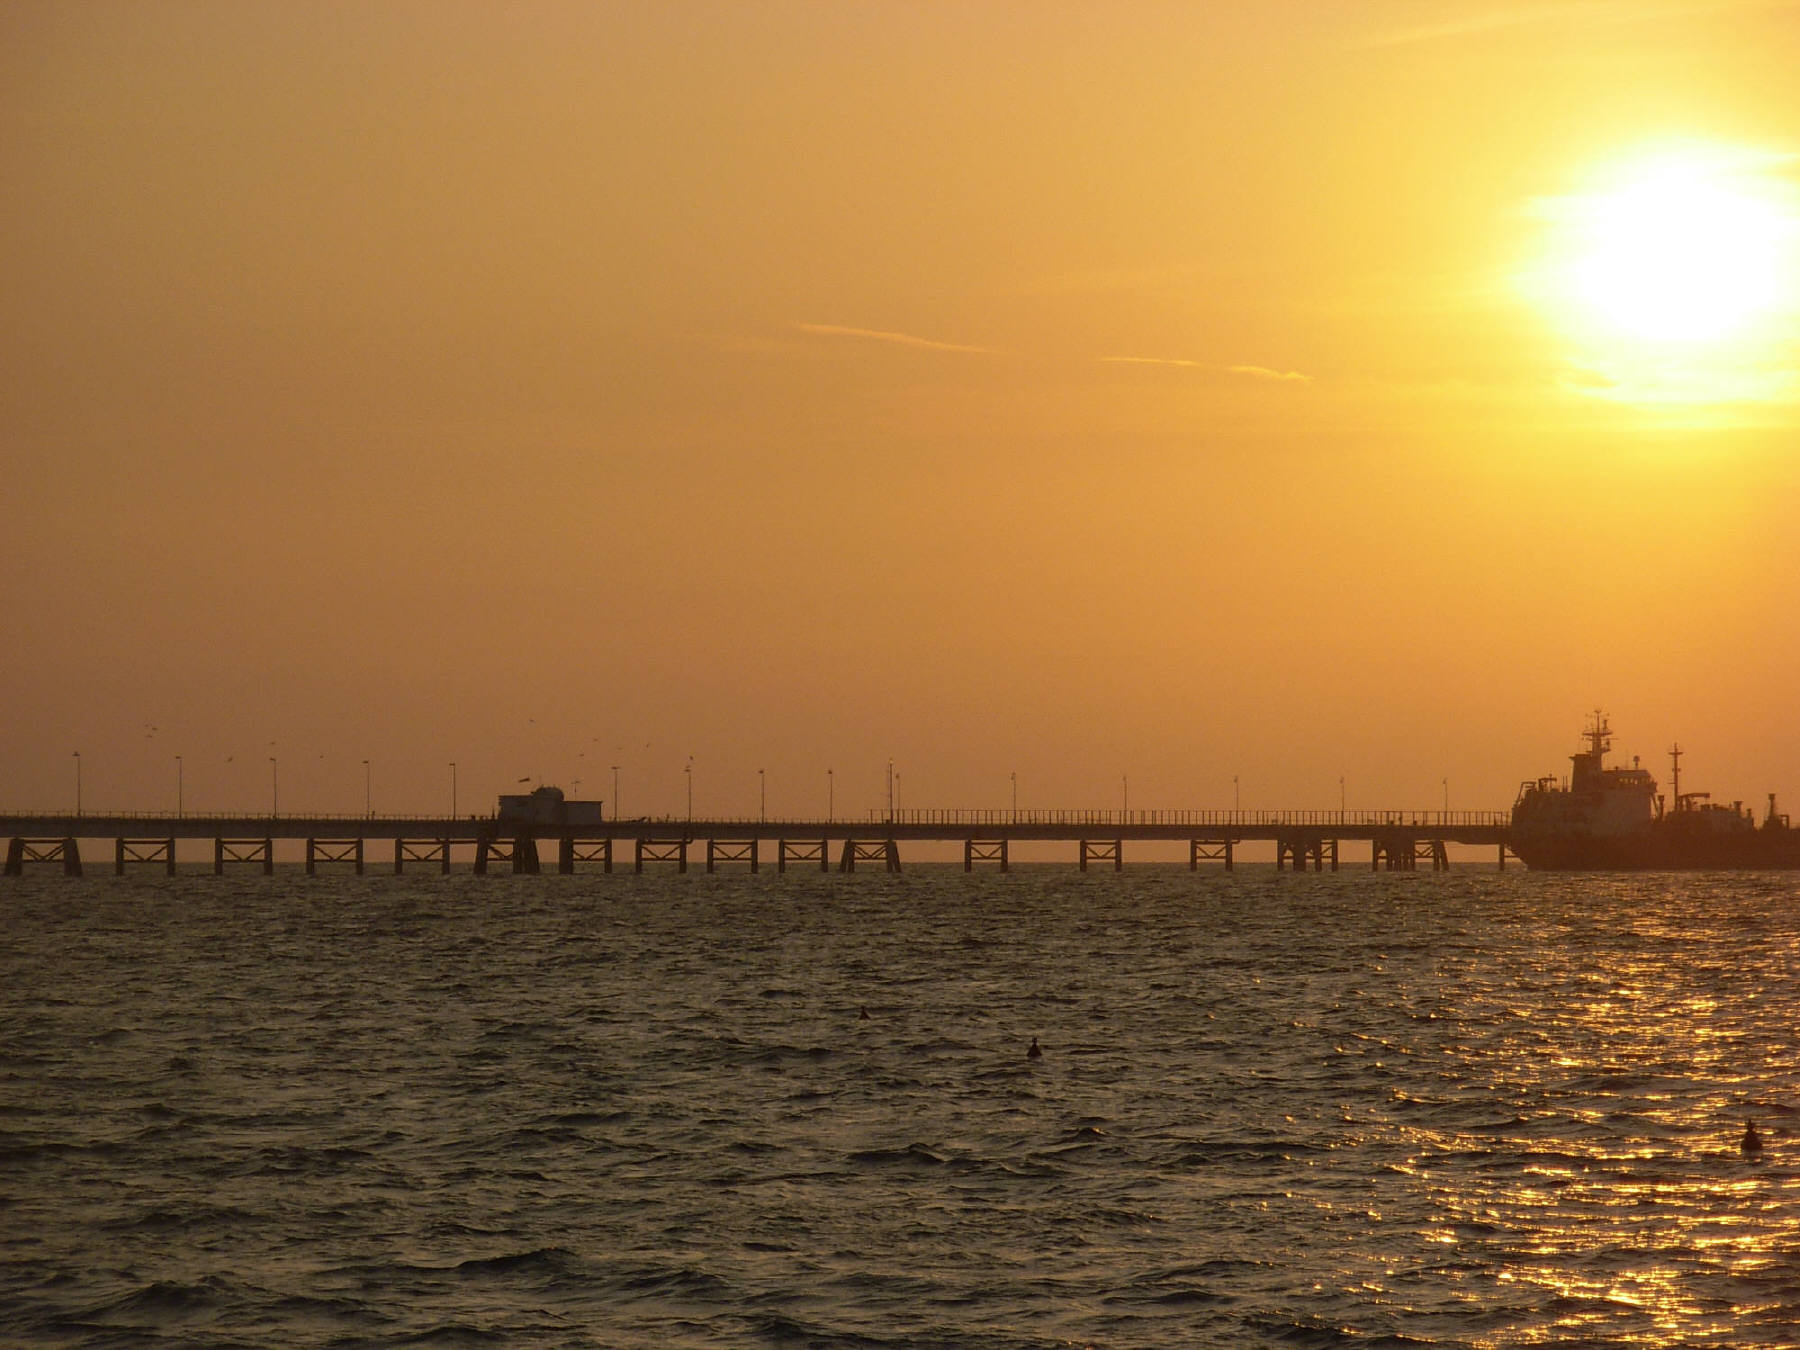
{"x":547,"y":807}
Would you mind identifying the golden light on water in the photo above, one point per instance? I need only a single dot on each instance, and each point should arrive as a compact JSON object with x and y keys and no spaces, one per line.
{"x":1612,"y":1160}
{"x":1675,"y":276}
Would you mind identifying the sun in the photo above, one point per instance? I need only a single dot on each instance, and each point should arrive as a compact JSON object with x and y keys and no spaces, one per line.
{"x":1676,"y":274}
{"x":1685,"y":248}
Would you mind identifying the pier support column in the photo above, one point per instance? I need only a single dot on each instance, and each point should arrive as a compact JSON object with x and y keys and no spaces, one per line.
{"x":662,"y":850}
{"x":1103,"y":850}
{"x":1209,"y":850}
{"x":143,"y":851}
{"x":252,"y":851}
{"x":21,"y":851}
{"x":803,"y":851}
{"x":1302,"y":850}
{"x":571,"y":851}
{"x":521,"y":851}
{"x":1395,"y":853}
{"x":884,"y":851}
{"x":421,"y":850}
{"x":984,"y":851}
{"x":731,"y":850}
{"x":333,"y":851}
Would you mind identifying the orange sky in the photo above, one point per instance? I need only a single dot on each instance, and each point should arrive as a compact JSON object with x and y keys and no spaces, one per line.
{"x":1080,"y":390}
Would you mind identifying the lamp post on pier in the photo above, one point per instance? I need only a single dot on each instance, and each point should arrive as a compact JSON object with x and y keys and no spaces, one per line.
{"x":368,"y":791}
{"x":830,"y":794}
{"x":615,"y":800}
{"x":1015,"y":788}
{"x":689,"y":771}
{"x":762,"y":796}
{"x":453,"y":789}
{"x":178,"y":787}
{"x":77,"y":782}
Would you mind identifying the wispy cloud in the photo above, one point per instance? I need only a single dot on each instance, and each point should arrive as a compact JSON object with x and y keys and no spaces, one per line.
{"x":1154,"y":361}
{"x":1265,"y":373}
{"x":1468,"y":25}
{"x":898,"y":339}
{"x":1256,"y":372}
{"x":1557,"y":11}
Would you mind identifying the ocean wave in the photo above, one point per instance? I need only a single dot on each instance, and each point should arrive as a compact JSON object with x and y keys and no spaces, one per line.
{"x":643,"y":1112}
{"x":548,"y":1262}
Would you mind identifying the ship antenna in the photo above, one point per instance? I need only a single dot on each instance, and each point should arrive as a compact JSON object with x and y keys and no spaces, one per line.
{"x":1675,"y":773}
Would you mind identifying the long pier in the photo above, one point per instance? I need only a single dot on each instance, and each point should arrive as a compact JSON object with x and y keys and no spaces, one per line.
{"x":1303,"y":840}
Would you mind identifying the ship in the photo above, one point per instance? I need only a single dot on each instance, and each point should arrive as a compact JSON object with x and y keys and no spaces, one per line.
{"x":1603,"y":818}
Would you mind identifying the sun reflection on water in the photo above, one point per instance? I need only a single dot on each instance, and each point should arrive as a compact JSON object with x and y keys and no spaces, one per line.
{"x":1605,"y":1180}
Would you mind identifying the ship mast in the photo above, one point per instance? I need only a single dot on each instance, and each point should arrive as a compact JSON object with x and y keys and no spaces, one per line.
{"x":1598,"y":737}
{"x":1675,"y":773}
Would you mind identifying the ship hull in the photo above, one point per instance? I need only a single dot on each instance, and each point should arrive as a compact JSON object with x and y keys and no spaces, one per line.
{"x":1762,"y":851}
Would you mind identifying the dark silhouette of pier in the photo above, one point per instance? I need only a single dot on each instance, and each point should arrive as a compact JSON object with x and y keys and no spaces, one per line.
{"x":1303,"y":840}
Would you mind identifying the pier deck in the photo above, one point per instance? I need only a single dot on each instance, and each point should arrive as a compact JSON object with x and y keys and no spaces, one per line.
{"x":1398,"y":840}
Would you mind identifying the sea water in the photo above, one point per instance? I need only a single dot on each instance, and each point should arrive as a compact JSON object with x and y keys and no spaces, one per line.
{"x":1470,"y":1108}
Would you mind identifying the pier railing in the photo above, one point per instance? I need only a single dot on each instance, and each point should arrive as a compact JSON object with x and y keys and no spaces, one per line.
{"x":1354,"y":820}
{"x":946,"y":817}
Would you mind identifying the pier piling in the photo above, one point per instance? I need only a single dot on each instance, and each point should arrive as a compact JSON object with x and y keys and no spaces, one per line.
{"x":984,"y":851}
{"x":143,"y":851}
{"x":1209,"y":850}
{"x":731,"y":850}
{"x":1103,"y":850}
{"x":883,"y":851}
{"x":333,"y":850}
{"x":803,"y":851}
{"x":571,"y":851}
{"x":252,"y":851}
{"x":22,"y":850}
{"x":662,"y":850}
{"x":421,"y":850}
